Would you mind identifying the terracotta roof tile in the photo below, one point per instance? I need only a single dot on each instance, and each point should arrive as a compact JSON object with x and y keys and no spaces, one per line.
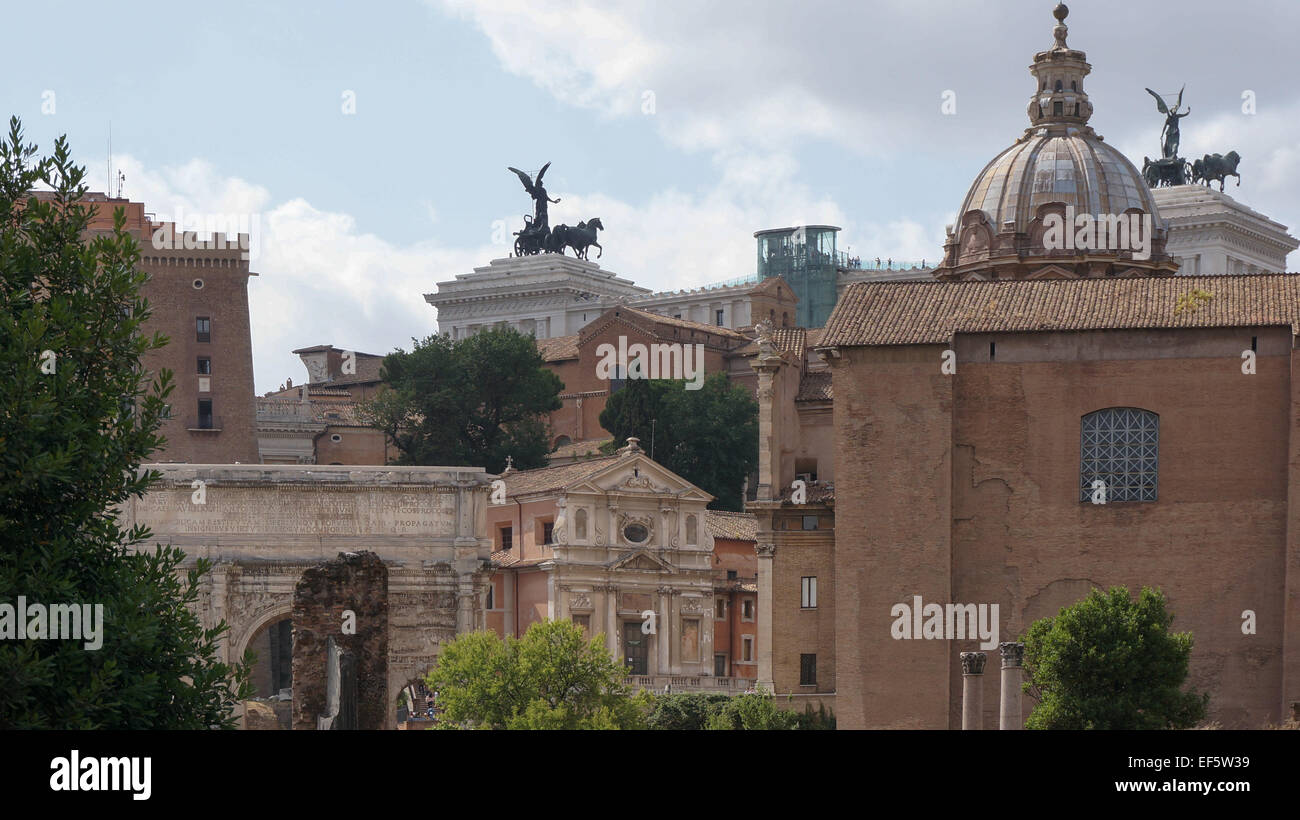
{"x":685,"y":323}
{"x":733,"y":525}
{"x":545,"y":479}
{"x":578,"y":449}
{"x":900,"y":313}
{"x":789,"y":339}
{"x":815,"y":387}
{"x":558,"y":348}
{"x":504,"y":558}
{"x":819,"y":492}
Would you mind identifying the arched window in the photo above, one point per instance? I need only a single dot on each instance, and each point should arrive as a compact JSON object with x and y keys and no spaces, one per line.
{"x":563,"y":441}
{"x":1058,"y":85}
{"x":1119,"y":447}
{"x":692,"y":530}
{"x":580,"y":525}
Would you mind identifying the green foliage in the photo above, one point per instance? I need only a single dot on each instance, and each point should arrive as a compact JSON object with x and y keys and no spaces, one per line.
{"x":551,"y":678}
{"x":821,"y":720}
{"x":1109,"y":662}
{"x":71,"y":442}
{"x":684,"y":712}
{"x":752,"y":712}
{"x":472,"y":402}
{"x":708,"y":436}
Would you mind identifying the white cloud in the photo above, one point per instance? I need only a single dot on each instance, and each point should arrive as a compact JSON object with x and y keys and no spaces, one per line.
{"x":320,"y":281}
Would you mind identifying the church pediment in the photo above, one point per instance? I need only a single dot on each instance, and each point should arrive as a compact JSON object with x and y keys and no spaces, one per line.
{"x":639,"y":475}
{"x":641,"y":560}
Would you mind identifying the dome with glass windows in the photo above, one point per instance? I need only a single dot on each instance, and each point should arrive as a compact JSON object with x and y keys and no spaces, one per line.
{"x":1058,"y":166}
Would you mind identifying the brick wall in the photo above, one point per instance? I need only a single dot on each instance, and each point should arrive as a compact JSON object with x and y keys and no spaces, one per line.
{"x":1216,"y":541}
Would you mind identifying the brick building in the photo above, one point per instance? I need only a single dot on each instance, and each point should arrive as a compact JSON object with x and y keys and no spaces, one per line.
{"x":949,"y":485}
{"x":576,"y":359}
{"x":321,"y":422}
{"x":198,"y":294}
{"x":976,"y":486}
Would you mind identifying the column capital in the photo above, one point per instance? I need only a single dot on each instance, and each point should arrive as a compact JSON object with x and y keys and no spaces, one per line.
{"x":1013,"y":654}
{"x":765,"y":550}
{"x":972,"y":663}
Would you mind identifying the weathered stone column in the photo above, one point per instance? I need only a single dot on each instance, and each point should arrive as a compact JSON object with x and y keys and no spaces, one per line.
{"x":766,"y":555}
{"x":662,"y":639}
{"x":972,"y":690}
{"x":769,"y":455}
{"x":465,"y":598}
{"x":1013,"y":656}
{"x":612,"y":637}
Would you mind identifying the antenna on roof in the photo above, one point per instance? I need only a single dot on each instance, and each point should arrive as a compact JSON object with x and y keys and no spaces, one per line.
{"x":108,"y":166}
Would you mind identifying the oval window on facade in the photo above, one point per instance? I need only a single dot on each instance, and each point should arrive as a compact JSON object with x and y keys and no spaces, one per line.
{"x":636,"y":533}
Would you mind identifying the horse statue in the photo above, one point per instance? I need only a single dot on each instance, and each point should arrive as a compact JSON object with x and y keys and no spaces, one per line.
{"x":579,"y":237}
{"x":556,"y":241}
{"x":1169,"y":171}
{"x":1216,"y":167}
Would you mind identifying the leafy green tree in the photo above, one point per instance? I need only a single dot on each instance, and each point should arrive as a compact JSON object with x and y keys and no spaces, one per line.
{"x":1109,"y":662}
{"x":688,"y":711}
{"x":708,"y":436}
{"x":473,"y":401}
{"x":78,"y":416}
{"x":551,"y":678}
{"x":821,"y":720}
{"x":752,"y":712}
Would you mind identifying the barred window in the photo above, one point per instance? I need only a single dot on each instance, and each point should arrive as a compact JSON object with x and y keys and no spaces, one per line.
{"x":1119,"y":446}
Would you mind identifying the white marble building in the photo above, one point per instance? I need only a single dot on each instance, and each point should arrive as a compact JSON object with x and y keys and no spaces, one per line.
{"x":1212,"y":234}
{"x":550,"y":295}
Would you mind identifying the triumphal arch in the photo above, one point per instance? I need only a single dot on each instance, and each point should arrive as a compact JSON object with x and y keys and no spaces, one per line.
{"x":263,"y":525}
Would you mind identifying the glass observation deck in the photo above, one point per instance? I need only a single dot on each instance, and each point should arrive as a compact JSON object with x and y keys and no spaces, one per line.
{"x":806,"y":258}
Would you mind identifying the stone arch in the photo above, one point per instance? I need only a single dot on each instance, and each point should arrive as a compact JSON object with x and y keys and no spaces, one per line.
{"x":263,"y":618}
{"x":272,"y":672}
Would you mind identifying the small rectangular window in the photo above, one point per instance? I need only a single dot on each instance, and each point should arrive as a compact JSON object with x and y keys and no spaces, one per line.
{"x":810,"y":522}
{"x":507,"y":538}
{"x":720,"y":609}
{"x":747,"y":609}
{"x":205,"y":366}
{"x":203,"y":329}
{"x":808,"y":592}
{"x":205,"y":414}
{"x":747,"y":649}
{"x":491,"y":602}
{"x":718,"y":318}
{"x":548,"y":532}
{"x":731,"y":575}
{"x":807,"y":670}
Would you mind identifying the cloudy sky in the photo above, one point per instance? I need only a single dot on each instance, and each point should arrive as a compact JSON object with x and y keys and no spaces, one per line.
{"x":685,"y":126}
